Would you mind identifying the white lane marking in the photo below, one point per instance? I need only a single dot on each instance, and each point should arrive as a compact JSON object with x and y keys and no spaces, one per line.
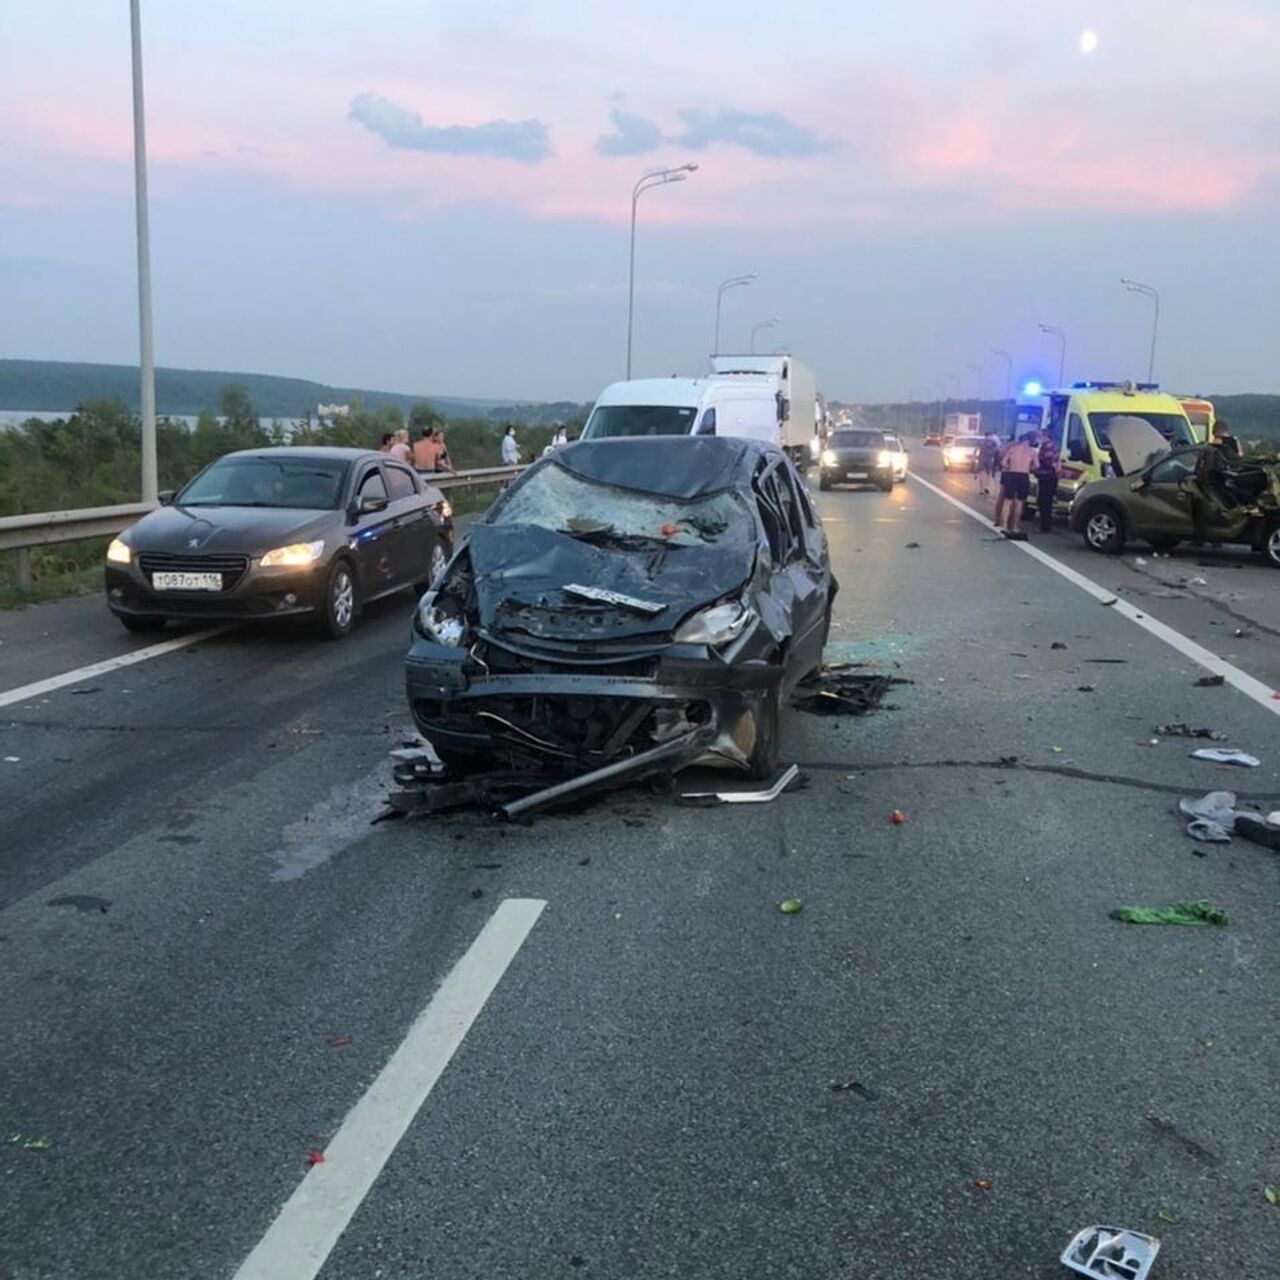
{"x":1242,"y":680}
{"x":301,"y":1238}
{"x":80,"y":674}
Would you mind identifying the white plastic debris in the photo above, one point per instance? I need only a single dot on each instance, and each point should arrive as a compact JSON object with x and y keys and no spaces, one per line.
{"x":1225,"y":755}
{"x":749,"y":797}
{"x":1111,"y":1253}
{"x":12,"y":759}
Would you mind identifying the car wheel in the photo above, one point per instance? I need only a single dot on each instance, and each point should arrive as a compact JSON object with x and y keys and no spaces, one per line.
{"x":141,"y":624}
{"x":338,"y":609}
{"x":1104,"y":529}
{"x":762,"y":763}
{"x":824,"y":483}
{"x":1163,"y":544}
{"x":439,"y":558}
{"x":885,"y":485}
{"x":1271,"y":544}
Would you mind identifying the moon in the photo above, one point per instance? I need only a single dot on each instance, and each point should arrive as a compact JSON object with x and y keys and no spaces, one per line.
{"x":1088,"y":41}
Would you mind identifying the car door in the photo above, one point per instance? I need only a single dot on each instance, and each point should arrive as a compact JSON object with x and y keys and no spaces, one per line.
{"x":1163,"y":497}
{"x":412,"y":533}
{"x":372,"y":538}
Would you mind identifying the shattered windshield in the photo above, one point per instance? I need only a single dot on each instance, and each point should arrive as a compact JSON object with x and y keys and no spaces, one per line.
{"x":553,"y":498}
{"x":1173,"y":426}
{"x":611,"y":420}
{"x":306,"y":483}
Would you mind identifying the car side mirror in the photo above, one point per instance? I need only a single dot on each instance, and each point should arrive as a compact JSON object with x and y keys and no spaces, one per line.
{"x":370,"y":506}
{"x":1139,"y":484}
{"x":165,"y":497}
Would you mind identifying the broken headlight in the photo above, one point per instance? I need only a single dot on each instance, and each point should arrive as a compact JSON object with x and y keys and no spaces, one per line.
{"x":715,"y":626}
{"x":437,"y":623}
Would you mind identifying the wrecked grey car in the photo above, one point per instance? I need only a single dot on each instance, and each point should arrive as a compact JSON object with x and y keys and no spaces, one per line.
{"x":624,"y":597}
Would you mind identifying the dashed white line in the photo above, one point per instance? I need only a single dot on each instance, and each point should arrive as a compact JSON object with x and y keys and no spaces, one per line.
{"x":24,"y":692}
{"x":303,"y":1235}
{"x":1251,"y":687}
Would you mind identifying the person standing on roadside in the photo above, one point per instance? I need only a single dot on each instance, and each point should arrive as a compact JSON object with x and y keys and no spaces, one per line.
{"x":430,"y":453}
{"x":1015,"y":482}
{"x":510,"y":449}
{"x":400,"y":450}
{"x":387,"y":441}
{"x":988,"y":462}
{"x":1046,"y":482}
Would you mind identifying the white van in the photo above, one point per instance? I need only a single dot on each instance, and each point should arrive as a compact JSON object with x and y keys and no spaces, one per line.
{"x":741,"y":407}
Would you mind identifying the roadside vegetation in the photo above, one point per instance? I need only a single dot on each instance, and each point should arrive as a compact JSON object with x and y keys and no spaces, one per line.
{"x":93,"y":459}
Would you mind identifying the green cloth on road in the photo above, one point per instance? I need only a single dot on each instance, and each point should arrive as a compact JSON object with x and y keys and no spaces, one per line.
{"x":1192,"y":913}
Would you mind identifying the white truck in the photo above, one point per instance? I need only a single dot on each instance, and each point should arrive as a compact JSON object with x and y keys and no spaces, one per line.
{"x":964,"y":424}
{"x":795,"y":393}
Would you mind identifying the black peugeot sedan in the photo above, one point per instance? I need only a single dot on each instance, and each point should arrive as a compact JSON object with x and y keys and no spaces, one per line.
{"x":276,"y":533}
{"x":624,"y":594}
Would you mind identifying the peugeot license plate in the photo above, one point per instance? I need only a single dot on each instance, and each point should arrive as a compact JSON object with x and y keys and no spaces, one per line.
{"x":187,"y":581}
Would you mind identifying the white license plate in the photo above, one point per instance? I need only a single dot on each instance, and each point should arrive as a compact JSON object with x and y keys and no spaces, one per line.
{"x":187,"y":581}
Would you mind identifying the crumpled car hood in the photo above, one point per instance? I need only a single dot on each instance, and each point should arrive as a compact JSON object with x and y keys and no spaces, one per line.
{"x":520,"y":572}
{"x":1135,"y":443}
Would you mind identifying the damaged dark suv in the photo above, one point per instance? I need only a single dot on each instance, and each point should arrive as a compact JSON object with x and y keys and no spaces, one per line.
{"x":626,"y":600}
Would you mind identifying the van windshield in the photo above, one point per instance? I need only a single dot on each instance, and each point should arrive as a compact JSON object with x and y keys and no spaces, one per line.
{"x":857,"y":440}
{"x":1173,"y":426}
{"x":610,"y":420}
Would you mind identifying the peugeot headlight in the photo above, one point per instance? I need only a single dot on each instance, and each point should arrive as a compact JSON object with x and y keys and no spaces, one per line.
{"x":119,"y":552}
{"x":715,"y":626}
{"x":828,"y":458}
{"x":884,"y":458}
{"x":296,"y":555}
{"x":435,"y":624}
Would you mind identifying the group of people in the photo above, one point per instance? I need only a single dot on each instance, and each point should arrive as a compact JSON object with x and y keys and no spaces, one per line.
{"x":428,"y":453}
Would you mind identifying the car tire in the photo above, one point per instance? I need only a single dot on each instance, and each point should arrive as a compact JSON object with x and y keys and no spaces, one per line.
{"x":762,"y":763}
{"x":1162,"y":544}
{"x":439,"y":558}
{"x":824,"y":483}
{"x":885,"y":486}
{"x":139,"y":624}
{"x":1271,"y":544}
{"x":1102,"y":526}
{"x":340,"y":604}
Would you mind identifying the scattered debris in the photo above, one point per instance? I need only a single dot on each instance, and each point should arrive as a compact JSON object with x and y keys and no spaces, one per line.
{"x":1210,"y":682}
{"x":1225,"y":755}
{"x":1194,"y":913}
{"x":315,"y":1157}
{"x":1240,"y":633}
{"x":1086,"y":688}
{"x":791,"y":906}
{"x":982,"y":1184}
{"x":28,"y":1142}
{"x":1271,"y":1195}
{"x":1208,"y":832}
{"x":477,"y":893}
{"x":1057,"y":644}
{"x":1139,"y":560}
{"x":13,"y":759}
{"x":1107,"y":662}
{"x":839,"y":689}
{"x":339,"y":1042}
{"x":1106,"y":604}
{"x":1181,"y":730}
{"x":1111,"y":1253}
{"x":749,"y":797}
{"x":897,"y":817}
{"x":912,"y":546}
{"x":854,"y":1086}
{"x":1258,"y":830}
{"x":1166,"y":1216}
{"x":82,"y":902}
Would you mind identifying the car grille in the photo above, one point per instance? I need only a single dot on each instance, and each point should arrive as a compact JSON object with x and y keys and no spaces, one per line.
{"x":232,"y":568}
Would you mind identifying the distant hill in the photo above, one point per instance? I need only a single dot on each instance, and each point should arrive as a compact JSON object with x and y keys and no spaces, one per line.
{"x":58,"y":386}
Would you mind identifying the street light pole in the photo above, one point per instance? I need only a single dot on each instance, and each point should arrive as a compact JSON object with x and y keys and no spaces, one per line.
{"x":1148,"y":292}
{"x":646,"y":181}
{"x":755,"y":328}
{"x":1062,"y":355}
{"x":146,"y":353}
{"x":1008,"y":383}
{"x":734,"y":282}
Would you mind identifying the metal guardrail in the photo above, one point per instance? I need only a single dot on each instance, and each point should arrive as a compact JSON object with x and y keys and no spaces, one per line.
{"x":46,"y":528}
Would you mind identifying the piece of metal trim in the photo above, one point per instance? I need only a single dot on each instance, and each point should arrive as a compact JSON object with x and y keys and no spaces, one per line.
{"x":749,"y":797}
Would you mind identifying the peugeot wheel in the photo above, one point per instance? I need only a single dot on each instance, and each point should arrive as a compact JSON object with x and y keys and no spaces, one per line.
{"x":439,"y":558}
{"x":1104,"y":530}
{"x":1271,"y":544}
{"x":338,"y":609}
{"x":762,"y":763}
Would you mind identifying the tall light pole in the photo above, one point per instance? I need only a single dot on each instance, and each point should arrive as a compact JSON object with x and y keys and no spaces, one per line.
{"x":734,"y":282}
{"x":1148,"y":292}
{"x":146,"y":353}
{"x":755,"y":328}
{"x":942,"y":387}
{"x":646,"y":181}
{"x":1008,"y":382}
{"x":1062,"y":354}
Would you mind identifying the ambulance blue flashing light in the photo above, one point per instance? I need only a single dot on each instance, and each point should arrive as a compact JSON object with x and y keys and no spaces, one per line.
{"x":1032,"y":388}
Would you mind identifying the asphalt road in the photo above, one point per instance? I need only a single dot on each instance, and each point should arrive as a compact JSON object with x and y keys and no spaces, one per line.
{"x":210,"y":956}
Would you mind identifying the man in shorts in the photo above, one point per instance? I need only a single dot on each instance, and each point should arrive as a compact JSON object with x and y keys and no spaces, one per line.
{"x":1015,"y":482}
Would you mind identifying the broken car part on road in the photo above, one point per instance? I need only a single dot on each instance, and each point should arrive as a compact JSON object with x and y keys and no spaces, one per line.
{"x":1111,"y":1253}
